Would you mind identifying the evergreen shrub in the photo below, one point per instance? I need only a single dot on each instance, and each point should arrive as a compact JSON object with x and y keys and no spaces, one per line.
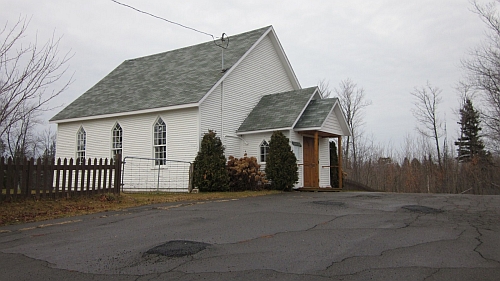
{"x":281,"y":163}
{"x":210,"y":172}
{"x":334,"y":161}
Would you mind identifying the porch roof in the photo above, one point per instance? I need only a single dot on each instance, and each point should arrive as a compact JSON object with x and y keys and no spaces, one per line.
{"x":277,"y":111}
{"x":325,"y":117}
{"x":316,"y":113}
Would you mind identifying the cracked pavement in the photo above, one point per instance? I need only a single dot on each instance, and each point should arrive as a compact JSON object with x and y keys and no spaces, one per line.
{"x":289,"y":236}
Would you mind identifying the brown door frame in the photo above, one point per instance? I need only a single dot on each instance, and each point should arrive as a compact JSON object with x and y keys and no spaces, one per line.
{"x":339,"y":156}
{"x":311,"y":169}
{"x":315,"y":160}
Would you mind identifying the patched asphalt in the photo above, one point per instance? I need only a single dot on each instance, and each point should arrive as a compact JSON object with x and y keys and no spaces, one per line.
{"x":289,"y":236}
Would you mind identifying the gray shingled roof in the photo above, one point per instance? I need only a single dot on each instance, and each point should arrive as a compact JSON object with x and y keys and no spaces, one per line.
{"x":277,"y":111}
{"x":177,"y":77}
{"x":316,"y":113}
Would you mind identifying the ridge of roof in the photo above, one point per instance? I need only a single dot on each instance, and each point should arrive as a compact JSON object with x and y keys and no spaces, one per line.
{"x":172,"y":78}
{"x":276,"y":111}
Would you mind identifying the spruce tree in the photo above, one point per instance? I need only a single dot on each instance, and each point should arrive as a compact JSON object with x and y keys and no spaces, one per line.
{"x":210,"y":172}
{"x":469,"y":144}
{"x":281,"y":163}
{"x":334,"y":161}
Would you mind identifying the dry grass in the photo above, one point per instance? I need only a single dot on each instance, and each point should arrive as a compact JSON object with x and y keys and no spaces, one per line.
{"x":38,"y":210}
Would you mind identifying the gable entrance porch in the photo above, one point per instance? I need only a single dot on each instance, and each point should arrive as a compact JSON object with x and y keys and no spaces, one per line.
{"x":311,"y":163}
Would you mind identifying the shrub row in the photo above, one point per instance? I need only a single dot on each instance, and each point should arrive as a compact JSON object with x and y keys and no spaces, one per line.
{"x":213,"y":173}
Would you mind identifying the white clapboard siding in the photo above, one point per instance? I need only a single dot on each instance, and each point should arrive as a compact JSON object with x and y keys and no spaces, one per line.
{"x":137,"y":135}
{"x":182,"y":134}
{"x":182,"y":141}
{"x":332,"y":124}
{"x":252,"y":145}
{"x":98,"y":138}
{"x":294,"y":136}
{"x":210,"y":113}
{"x":260,"y":73}
{"x":66,"y":140}
{"x":324,"y":160}
{"x":182,"y":145}
{"x":252,"y":148}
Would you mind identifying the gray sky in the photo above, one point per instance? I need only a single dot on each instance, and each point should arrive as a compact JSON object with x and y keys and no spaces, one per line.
{"x":388,"y":47}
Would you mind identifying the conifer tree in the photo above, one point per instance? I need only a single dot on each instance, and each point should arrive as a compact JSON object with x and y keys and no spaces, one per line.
{"x":469,"y":143}
{"x":281,"y":163}
{"x":210,"y":172}
{"x":334,"y":161}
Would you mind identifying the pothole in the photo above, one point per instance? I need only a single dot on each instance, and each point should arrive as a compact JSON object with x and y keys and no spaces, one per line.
{"x":329,"y":203}
{"x":422,"y":209}
{"x":178,"y":248}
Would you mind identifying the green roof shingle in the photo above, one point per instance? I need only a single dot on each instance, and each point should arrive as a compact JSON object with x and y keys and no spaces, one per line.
{"x":316,"y":113}
{"x":177,"y":77}
{"x":277,"y":110}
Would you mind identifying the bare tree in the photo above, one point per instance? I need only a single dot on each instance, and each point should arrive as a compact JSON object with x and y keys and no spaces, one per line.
{"x":465,"y":91}
{"x":2,"y":148}
{"x":28,"y":73}
{"x":21,"y":137}
{"x":427,"y":99}
{"x":483,"y":68}
{"x":47,"y":144}
{"x":352,"y":100}
{"x":324,"y":88}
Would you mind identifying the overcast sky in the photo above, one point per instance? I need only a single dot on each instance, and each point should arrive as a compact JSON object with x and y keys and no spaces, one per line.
{"x":388,"y":47}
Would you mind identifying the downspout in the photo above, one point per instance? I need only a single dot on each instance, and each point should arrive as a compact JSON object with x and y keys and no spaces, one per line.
{"x":339,"y":153}
{"x":316,"y":159}
{"x":222,"y":100}
{"x":221,"y":110}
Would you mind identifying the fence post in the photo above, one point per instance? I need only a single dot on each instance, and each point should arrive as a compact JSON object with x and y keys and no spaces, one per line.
{"x":105,"y":176}
{"x":26,"y":179}
{"x":111,"y":183}
{"x":38,"y":177}
{"x":10,"y":177}
{"x":70,"y":168}
{"x":190,"y":182}
{"x":118,"y":173}
{"x":3,"y":178}
{"x":18,"y":176}
{"x":124,"y":161}
{"x":158,"y":179}
{"x":57,"y":171}
{"x":94,"y":170}
{"x":47,"y":191}
{"x":87,"y":170}
{"x":82,"y":175}
{"x":30,"y":177}
{"x":99,"y":178}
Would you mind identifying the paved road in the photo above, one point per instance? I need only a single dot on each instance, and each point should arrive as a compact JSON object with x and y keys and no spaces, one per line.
{"x":289,"y":236}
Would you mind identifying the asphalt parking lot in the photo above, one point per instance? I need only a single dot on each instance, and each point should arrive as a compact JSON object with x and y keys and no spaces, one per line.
{"x":289,"y":236}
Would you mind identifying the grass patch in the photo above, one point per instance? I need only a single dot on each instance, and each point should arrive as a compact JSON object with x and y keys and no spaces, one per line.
{"x":24,"y":211}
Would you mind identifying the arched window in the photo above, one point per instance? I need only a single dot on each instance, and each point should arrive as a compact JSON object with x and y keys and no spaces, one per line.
{"x":160,"y":142}
{"x":264,"y":150}
{"x":81,"y":144}
{"x":117,"y":140}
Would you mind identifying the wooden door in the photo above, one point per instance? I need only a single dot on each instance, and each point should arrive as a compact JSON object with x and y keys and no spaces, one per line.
{"x":310,"y":164}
